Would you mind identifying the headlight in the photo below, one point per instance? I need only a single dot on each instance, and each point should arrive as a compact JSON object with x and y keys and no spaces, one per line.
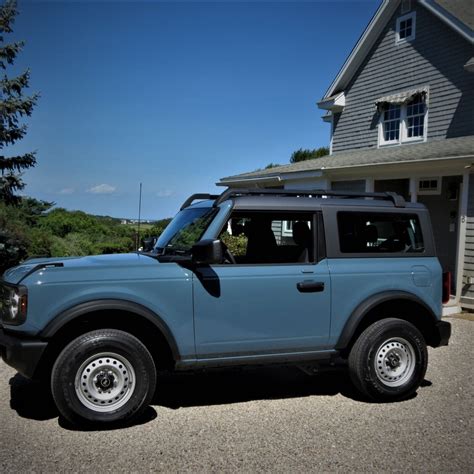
{"x":13,"y":304}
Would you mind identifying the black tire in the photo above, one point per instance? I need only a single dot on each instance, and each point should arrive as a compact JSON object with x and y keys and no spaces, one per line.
{"x":103,"y":377}
{"x":388,"y":361}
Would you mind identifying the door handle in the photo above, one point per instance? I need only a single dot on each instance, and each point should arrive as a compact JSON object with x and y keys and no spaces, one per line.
{"x":310,"y":286}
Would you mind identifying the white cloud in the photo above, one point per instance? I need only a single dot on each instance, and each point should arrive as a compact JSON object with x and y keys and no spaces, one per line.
{"x":165,"y":193}
{"x":66,"y":191}
{"x":102,"y":189}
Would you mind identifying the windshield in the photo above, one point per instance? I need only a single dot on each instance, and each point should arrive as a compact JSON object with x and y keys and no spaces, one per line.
{"x":184,"y":231}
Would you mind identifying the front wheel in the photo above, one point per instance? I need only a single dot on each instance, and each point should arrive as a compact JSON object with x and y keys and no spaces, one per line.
{"x":389,"y":360}
{"x":103,"y":377}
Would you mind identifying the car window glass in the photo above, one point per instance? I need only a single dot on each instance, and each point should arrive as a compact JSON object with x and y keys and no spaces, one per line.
{"x":373,"y":232}
{"x":270,"y":237}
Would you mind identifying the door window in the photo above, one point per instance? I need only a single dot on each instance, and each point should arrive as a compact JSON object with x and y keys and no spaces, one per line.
{"x":265,"y":238}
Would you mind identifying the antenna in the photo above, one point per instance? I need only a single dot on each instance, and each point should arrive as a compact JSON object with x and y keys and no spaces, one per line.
{"x":139,"y":216}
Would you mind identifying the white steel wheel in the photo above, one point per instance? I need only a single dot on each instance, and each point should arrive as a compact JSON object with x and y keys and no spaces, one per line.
{"x":395,"y":362}
{"x":105,"y":382}
{"x":103,"y":377}
{"x":388,"y":360}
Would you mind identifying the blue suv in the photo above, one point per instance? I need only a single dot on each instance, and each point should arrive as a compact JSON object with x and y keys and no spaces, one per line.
{"x":309,"y":278}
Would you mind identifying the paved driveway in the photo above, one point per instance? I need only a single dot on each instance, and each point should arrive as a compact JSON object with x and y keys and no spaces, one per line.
{"x":259,"y":420}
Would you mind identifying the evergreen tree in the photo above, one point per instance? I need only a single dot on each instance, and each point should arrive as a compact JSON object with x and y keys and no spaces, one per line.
{"x":14,"y":107}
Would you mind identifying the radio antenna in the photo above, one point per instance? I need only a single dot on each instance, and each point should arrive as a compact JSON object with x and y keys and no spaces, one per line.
{"x":139,"y":216}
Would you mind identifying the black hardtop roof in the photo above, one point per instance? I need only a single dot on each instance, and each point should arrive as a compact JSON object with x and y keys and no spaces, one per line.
{"x":254,"y":199}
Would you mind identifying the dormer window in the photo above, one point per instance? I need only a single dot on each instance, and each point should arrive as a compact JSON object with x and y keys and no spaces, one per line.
{"x":406,"y":26}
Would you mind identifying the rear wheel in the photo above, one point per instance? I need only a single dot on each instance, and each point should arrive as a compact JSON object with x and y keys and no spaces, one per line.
{"x":389,"y":360}
{"x":103,"y":377}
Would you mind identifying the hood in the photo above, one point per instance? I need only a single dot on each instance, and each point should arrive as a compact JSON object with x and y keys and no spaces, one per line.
{"x":16,"y":274}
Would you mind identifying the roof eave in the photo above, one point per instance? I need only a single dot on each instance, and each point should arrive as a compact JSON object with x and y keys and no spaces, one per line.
{"x":362,"y":47}
{"x":449,"y":19}
{"x":373,"y":30}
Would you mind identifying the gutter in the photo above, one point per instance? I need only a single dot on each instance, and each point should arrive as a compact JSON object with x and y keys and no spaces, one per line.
{"x":318,"y":172}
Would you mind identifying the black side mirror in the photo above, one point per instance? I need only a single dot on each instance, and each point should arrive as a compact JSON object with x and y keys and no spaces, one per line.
{"x":208,"y":252}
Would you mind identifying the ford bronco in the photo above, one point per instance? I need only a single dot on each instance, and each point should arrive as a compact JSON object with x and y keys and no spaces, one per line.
{"x":245,"y":277}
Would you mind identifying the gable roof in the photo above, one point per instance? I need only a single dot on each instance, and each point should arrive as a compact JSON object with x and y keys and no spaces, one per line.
{"x":458,"y":14}
{"x":446,"y":149}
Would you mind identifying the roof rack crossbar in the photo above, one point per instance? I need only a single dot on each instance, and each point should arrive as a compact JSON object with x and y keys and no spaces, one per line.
{"x":195,"y":197}
{"x":397,"y":200}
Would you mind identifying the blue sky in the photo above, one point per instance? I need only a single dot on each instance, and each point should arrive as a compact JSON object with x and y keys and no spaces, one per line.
{"x":175,"y":95}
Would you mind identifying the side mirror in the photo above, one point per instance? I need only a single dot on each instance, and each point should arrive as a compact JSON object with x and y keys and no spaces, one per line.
{"x":208,"y":252}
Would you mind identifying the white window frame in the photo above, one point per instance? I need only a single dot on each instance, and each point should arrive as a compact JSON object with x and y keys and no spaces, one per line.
{"x":287,"y":229}
{"x":403,"y":135}
{"x":428,"y":192}
{"x":408,"y":16}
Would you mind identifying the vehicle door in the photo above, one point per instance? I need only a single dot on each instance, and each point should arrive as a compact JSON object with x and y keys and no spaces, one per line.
{"x":271,"y":295}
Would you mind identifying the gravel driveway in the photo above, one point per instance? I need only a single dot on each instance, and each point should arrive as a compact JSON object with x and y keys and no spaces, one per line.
{"x":257,"y":420}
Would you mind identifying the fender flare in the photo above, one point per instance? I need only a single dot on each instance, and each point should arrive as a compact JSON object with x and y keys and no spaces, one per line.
{"x":363,"y":308}
{"x":65,"y":317}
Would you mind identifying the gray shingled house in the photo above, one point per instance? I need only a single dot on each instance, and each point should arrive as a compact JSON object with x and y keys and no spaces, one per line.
{"x":401,"y":115}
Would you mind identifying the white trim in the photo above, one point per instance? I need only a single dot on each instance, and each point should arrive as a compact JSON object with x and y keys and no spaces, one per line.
{"x":412,"y":36}
{"x":403,"y":132}
{"x":462,"y":224}
{"x":335,"y":103}
{"x":428,"y":160}
{"x":429,"y":192}
{"x":363,"y":46}
{"x":319,"y":173}
{"x":371,"y":33}
{"x":286,"y":230}
{"x":332,"y":134}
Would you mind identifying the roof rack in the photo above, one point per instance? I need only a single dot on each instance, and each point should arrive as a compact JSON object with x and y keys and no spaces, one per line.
{"x":398,"y":201}
{"x":195,"y":197}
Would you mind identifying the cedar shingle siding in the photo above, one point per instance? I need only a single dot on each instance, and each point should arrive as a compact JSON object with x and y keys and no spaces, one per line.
{"x":435,"y":58}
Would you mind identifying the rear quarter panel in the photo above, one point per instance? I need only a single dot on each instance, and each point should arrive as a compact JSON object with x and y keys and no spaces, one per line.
{"x":353,"y":280}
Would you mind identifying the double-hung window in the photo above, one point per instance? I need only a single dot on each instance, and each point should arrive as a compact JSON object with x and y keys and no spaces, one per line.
{"x":403,"y":122}
{"x":391,"y":123}
{"x":415,"y":119}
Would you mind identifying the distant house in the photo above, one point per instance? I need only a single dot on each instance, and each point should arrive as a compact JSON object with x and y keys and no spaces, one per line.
{"x":401,"y":115}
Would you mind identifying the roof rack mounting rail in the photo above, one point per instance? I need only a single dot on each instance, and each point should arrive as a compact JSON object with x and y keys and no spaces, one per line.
{"x":197,"y":196}
{"x":398,"y":201}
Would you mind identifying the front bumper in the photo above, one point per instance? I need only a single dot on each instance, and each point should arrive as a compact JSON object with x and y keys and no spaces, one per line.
{"x":443,"y":333}
{"x":22,"y":354}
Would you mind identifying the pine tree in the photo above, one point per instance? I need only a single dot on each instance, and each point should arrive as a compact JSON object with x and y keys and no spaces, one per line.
{"x":14,"y":107}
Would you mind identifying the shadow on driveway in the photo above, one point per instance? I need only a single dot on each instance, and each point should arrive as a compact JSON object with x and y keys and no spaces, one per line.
{"x":33,"y":400}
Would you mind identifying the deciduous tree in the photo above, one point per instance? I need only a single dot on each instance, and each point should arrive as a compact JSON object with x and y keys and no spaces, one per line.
{"x":303,"y":155}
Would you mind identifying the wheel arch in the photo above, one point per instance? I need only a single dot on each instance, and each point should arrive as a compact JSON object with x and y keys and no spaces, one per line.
{"x":114,"y":314}
{"x":390,"y":304}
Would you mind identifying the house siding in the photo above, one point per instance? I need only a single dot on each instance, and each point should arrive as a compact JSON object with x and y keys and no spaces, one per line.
{"x":435,"y":58}
{"x":468,"y":289}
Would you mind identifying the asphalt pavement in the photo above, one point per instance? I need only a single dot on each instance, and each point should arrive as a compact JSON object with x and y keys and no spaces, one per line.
{"x":277,"y":419}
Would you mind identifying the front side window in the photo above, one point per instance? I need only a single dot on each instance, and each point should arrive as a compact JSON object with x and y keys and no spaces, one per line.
{"x":376,"y":232}
{"x":265,"y":238}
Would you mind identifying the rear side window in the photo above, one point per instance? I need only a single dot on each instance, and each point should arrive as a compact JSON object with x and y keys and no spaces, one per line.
{"x":376,"y":232}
